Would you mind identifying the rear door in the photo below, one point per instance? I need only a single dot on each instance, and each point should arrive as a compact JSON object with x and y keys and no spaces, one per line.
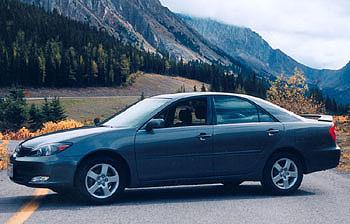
{"x":242,"y":134}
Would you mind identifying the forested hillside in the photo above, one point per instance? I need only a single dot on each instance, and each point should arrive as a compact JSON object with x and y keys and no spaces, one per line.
{"x":43,"y":49}
{"x":46,"y":49}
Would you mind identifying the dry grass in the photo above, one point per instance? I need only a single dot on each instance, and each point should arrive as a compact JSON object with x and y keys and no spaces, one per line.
{"x":87,"y":109}
{"x":345,"y":161}
{"x":48,"y":127}
{"x":149,"y":84}
{"x":343,"y":133}
{"x":4,"y":156}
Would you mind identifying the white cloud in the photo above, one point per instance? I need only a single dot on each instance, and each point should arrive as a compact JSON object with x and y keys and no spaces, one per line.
{"x":314,"y":32}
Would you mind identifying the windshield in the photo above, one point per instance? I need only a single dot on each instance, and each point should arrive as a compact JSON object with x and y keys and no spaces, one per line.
{"x":136,"y":114}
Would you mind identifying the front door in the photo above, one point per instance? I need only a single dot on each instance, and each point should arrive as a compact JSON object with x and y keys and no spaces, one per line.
{"x":182,"y":148}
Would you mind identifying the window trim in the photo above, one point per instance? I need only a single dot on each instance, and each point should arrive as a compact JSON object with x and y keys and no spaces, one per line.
{"x":209,"y":112}
{"x":243,"y":99}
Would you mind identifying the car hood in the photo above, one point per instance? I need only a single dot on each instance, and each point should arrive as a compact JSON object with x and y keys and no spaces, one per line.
{"x":73,"y":135}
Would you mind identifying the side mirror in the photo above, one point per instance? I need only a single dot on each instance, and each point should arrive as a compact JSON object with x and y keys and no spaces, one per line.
{"x":154,"y":124}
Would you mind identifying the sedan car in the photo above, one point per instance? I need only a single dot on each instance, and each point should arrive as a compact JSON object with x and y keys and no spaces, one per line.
{"x":178,"y":139}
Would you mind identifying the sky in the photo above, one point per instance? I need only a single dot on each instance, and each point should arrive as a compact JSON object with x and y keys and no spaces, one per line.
{"x":314,"y":32}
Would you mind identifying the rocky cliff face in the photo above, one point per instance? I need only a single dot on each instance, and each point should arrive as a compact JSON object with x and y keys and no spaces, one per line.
{"x":145,"y":23}
{"x":250,"y":48}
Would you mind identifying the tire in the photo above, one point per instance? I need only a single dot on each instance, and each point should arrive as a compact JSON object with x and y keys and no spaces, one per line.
{"x":62,"y":191}
{"x":231,"y":185}
{"x":101,"y":180}
{"x":283,"y":174}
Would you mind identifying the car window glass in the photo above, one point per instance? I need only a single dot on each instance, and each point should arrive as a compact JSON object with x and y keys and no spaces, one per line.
{"x":265,"y":117}
{"x":185,"y":113}
{"x":231,"y":110}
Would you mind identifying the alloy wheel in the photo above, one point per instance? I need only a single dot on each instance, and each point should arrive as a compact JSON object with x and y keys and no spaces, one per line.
{"x":102,"y":181}
{"x":284,"y":173}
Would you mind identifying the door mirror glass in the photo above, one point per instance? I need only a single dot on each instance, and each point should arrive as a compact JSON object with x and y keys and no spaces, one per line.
{"x":154,"y":124}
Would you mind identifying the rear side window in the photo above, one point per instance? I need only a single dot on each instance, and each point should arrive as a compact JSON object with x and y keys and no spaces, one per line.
{"x":233,"y":110}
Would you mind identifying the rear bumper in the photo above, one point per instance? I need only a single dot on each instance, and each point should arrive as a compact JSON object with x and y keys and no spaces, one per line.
{"x":60,"y":171}
{"x":324,"y":159}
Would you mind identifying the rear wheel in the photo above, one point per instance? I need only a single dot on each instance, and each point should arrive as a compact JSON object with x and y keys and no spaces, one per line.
{"x":283,"y":174}
{"x":101,"y":180}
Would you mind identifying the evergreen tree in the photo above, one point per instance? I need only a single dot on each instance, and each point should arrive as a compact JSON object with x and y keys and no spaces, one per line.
{"x":13,"y":114}
{"x":124,"y":68}
{"x":46,"y":111}
{"x":203,"y":89}
{"x":57,"y":112}
{"x":142,"y":97}
{"x":35,"y":119}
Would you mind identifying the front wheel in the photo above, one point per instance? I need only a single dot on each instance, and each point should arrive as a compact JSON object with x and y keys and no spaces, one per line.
{"x":283,"y":174}
{"x":101,"y":180}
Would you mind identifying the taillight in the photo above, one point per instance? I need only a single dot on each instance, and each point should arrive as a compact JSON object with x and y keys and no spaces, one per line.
{"x":332,"y":132}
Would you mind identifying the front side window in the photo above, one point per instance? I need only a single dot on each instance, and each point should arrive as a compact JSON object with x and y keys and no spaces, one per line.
{"x":265,"y":117}
{"x":185,"y":113}
{"x":233,"y":110}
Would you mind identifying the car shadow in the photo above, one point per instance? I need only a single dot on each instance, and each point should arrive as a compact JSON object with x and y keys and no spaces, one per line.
{"x":160,"y":195}
{"x":179,"y":194}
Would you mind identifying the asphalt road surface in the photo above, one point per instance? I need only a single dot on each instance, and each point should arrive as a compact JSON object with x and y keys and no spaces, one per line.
{"x":323,"y":198}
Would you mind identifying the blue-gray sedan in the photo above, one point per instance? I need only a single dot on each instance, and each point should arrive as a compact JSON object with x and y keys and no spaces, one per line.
{"x":189,"y":138}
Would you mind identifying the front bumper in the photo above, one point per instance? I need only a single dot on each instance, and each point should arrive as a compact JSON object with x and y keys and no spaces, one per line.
{"x":60,"y":171}
{"x":324,"y":159}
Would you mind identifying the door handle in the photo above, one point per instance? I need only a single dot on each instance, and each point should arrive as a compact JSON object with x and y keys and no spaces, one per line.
{"x":204,"y":136}
{"x":272,"y":132}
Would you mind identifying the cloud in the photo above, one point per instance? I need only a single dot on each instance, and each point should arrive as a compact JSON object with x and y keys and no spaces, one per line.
{"x":314,"y":32}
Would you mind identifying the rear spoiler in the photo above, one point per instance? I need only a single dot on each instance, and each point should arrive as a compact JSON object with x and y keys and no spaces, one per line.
{"x":319,"y":117}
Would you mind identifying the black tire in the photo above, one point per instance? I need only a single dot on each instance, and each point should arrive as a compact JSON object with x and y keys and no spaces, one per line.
{"x":231,"y":185}
{"x":295,"y":181}
{"x":62,"y":191}
{"x":81,"y":177}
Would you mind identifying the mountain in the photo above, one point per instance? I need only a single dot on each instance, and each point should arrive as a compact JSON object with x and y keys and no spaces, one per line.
{"x":150,"y":26}
{"x":144,"y":23}
{"x":40,"y":48}
{"x":250,"y":48}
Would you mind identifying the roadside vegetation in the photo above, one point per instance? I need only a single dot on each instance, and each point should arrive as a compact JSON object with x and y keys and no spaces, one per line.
{"x":15,"y":113}
{"x":292,"y":94}
{"x":343,"y":133}
{"x":4,"y":157}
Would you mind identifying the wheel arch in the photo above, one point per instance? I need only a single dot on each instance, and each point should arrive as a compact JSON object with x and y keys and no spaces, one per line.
{"x":107,"y":153}
{"x":293,"y":151}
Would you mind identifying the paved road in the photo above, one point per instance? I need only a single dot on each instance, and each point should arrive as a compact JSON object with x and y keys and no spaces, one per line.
{"x":323,"y":198}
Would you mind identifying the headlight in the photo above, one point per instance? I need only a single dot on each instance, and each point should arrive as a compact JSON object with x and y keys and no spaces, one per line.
{"x":50,"y":149}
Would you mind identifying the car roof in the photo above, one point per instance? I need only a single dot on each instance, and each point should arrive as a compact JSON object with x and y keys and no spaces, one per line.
{"x":176,"y":96}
